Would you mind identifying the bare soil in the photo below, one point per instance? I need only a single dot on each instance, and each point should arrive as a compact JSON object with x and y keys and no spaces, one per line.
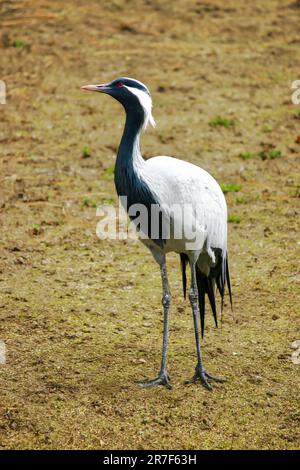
{"x":81,"y":318}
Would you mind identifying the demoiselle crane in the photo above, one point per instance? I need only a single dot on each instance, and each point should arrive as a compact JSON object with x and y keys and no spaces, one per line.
{"x":192,"y":216}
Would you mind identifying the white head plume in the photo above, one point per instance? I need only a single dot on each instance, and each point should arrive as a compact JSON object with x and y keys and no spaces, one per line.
{"x":146,"y":103}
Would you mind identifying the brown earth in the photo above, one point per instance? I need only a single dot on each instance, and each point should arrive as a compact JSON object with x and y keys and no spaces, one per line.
{"x":81,"y":318}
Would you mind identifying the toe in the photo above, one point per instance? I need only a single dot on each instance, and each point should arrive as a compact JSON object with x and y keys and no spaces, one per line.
{"x":205,"y":383}
{"x":168,"y":385}
{"x":214,"y":379}
{"x":200,"y":377}
{"x":161,"y":380}
{"x":149,"y":383}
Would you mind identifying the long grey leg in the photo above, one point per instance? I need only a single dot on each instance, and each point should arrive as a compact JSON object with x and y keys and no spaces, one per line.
{"x":193,"y":296}
{"x":163,"y":377}
{"x":200,"y":373}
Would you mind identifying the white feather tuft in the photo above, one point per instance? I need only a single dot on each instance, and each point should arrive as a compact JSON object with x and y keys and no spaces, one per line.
{"x":146,"y":103}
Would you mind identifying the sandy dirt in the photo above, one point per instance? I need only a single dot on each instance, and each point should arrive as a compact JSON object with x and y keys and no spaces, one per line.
{"x":81,"y":318}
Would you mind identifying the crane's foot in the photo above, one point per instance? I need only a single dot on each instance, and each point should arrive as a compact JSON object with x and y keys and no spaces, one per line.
{"x":205,"y":378}
{"x":162,"y":379}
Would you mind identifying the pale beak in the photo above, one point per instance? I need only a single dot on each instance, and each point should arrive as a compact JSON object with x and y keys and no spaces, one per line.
{"x":102,"y":87}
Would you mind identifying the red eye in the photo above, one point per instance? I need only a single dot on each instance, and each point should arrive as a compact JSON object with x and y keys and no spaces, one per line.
{"x":119,"y":84}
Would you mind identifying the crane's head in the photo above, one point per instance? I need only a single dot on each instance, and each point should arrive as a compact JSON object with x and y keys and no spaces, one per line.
{"x":132,"y":94}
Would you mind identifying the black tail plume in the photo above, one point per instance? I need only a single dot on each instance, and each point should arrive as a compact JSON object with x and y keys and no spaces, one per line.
{"x":218,"y":275}
{"x":205,"y":286}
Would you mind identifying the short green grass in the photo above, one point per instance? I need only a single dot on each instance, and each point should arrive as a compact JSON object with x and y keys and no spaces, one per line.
{"x":19,"y":43}
{"x":230,"y":188}
{"x":270,"y":154}
{"x":86,"y":151}
{"x":107,"y":200}
{"x":88,"y":202}
{"x":275,"y":153}
{"x":221,"y":122}
{"x":246,"y":155}
{"x":109,"y":172}
{"x":241,"y":200}
{"x":267,"y":128}
{"x":297,"y":115}
{"x":36,"y":229}
{"x":234,"y":219}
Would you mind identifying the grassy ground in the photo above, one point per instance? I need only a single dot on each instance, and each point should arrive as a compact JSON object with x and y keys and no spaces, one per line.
{"x":81,"y":318}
